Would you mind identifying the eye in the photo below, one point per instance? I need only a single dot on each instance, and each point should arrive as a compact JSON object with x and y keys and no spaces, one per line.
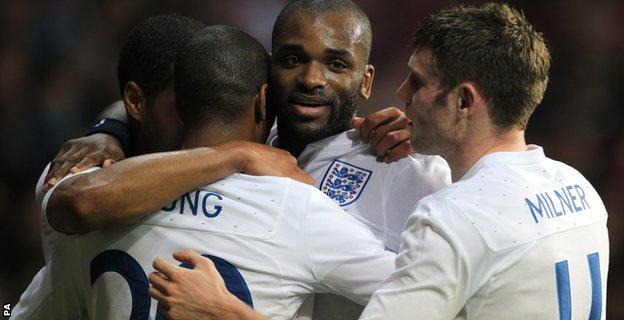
{"x":415,"y":83}
{"x":291,"y":60}
{"x":337,"y":65}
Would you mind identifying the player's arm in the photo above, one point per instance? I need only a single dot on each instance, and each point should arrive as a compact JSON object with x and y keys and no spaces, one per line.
{"x":345,"y":257}
{"x":137,"y":186}
{"x":94,"y":149}
{"x":197,"y":293}
{"x":432,"y":276}
{"x":388,"y":131}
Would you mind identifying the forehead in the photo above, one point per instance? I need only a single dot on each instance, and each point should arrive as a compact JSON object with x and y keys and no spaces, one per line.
{"x":328,"y":30}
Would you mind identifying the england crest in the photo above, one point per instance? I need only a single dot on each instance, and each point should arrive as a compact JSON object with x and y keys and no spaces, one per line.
{"x":344,"y":182}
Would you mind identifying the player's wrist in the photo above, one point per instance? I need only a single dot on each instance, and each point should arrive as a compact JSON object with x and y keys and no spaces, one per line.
{"x":113,"y":128}
{"x":235,"y":155}
{"x":235,"y":309}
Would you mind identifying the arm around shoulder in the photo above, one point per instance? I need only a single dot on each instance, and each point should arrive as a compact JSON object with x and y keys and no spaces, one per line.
{"x":134,"y":187}
{"x":137,"y":186}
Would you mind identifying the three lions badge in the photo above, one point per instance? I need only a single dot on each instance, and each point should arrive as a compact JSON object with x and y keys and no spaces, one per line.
{"x":344,"y":182}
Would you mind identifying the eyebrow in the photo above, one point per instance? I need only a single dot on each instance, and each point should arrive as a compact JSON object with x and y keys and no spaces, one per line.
{"x":338,"y":53}
{"x":290,"y":47}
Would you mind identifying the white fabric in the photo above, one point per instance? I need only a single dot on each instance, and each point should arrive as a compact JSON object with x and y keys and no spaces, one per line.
{"x":383,"y":204}
{"x":52,"y":294}
{"x":486,"y":246}
{"x":392,"y":190}
{"x":281,"y":235}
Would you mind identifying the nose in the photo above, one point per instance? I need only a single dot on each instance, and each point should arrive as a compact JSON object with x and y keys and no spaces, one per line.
{"x":313,"y":77}
{"x":403,"y":93}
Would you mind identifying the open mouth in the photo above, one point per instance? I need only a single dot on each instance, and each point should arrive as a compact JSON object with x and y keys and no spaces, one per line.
{"x":309,"y":107}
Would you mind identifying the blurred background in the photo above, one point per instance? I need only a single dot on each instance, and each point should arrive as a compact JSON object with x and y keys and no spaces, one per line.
{"x":58,"y":71}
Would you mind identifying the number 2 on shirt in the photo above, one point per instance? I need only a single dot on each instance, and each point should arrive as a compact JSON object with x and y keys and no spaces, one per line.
{"x":125,"y":265}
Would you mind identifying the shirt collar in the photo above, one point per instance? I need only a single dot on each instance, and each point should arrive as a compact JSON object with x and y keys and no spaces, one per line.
{"x":533,"y":154}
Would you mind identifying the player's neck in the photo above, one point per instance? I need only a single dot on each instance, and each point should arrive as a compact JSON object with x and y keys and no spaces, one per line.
{"x":295,"y":141}
{"x":141,"y":142}
{"x":215,"y":134}
{"x":474,"y":147}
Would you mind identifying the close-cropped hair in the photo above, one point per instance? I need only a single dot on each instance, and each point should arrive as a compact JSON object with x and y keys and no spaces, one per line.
{"x":217,"y":73}
{"x":149,"y":51}
{"x":494,"y":46}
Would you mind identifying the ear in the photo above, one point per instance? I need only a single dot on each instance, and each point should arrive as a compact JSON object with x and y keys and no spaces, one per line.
{"x":260,"y":114}
{"x":469,"y":98}
{"x":367,"y":85}
{"x":134,"y":100}
{"x":260,"y":104}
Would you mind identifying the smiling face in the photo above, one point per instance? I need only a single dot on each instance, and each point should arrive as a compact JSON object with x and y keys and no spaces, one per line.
{"x":319,"y":69}
{"x":435,"y":122}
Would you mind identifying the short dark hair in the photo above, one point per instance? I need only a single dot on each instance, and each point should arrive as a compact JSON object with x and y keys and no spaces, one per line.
{"x":217,"y":73}
{"x":148,"y":53}
{"x":494,"y":46}
{"x":322,"y":6}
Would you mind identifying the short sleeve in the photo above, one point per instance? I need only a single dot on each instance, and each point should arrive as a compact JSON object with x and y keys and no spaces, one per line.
{"x":38,"y":192}
{"x":46,"y":197}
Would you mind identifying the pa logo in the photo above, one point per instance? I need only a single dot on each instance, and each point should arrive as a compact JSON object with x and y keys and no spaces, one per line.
{"x":6,"y":310}
{"x":344,"y":182}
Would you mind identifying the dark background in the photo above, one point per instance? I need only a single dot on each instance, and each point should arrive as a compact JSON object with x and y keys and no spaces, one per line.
{"x":58,"y":70}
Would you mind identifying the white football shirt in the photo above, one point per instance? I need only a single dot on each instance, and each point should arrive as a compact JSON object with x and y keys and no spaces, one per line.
{"x":52,"y":294}
{"x":380,"y":195}
{"x":273,"y":240}
{"x":520,"y":236}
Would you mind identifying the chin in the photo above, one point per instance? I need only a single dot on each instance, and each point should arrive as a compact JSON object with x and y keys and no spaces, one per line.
{"x":424,"y":147}
{"x":309,"y":126}
{"x":303,"y":124}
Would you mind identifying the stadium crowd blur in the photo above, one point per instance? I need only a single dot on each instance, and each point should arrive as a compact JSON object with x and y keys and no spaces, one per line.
{"x":58,"y":70}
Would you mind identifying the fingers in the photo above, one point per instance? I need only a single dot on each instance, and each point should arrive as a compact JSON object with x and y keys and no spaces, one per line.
{"x":65,"y":169}
{"x":108,"y":163}
{"x":50,"y":182}
{"x":87,"y":162}
{"x":61,"y":169}
{"x":82,"y":153}
{"x":189,"y":256}
{"x":158,"y":281}
{"x":377,"y":119}
{"x":391,"y":140}
{"x":165,"y":267}
{"x":357,"y":123}
{"x":57,"y":162}
{"x":54,"y":167}
{"x":398,"y":152}
{"x":156,"y":294}
{"x":382,"y":132}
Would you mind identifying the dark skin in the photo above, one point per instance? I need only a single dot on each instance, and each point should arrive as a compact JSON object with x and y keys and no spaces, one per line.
{"x":136,"y":186}
{"x":304,"y":61}
{"x":330,"y":69}
{"x":155,"y":127}
{"x":319,"y":71}
{"x":318,"y":64}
